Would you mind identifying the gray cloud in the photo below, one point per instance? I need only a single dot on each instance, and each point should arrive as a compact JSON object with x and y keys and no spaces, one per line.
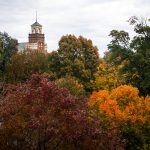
{"x":93,"y":19}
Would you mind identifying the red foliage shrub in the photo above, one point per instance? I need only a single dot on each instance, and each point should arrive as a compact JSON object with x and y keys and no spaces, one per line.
{"x":39,"y":115}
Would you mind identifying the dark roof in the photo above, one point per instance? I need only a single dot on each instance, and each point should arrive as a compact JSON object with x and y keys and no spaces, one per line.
{"x":36,"y":24}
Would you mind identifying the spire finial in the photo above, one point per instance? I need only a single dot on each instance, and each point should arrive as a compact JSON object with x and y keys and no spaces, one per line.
{"x":36,"y":15}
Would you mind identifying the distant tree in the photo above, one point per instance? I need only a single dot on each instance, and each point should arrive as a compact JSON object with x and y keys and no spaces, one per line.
{"x":138,"y":65}
{"x":75,"y":57}
{"x":119,"y":47}
{"x":23,"y":64}
{"x":54,"y":63}
{"x":8,"y":46}
{"x":39,"y":115}
{"x":134,"y":54}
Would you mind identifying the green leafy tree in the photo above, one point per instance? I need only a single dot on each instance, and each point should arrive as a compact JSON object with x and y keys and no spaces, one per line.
{"x":138,"y":65}
{"x":137,"y":136}
{"x":134,"y":54}
{"x":75,"y":57}
{"x":24,"y":64}
{"x":119,"y":47}
{"x":8,"y":46}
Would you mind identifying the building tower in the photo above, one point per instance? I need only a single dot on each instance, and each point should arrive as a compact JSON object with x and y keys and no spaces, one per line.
{"x":36,"y":38}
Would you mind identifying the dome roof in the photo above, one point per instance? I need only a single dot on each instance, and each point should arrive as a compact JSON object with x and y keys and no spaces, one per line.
{"x":36,"y":24}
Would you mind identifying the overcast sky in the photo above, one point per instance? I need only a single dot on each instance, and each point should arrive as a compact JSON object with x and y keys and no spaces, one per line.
{"x":93,"y":19}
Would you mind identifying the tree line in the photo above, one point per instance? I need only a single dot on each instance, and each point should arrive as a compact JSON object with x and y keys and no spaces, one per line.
{"x":72,"y":98}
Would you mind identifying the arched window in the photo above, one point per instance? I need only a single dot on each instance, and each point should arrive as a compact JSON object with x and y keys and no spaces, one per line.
{"x":37,"y":31}
{"x":33,"y":30}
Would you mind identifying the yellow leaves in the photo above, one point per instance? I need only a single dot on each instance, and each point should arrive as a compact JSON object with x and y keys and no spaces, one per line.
{"x":102,"y":66}
{"x":108,"y":76}
{"x":120,"y":66}
{"x":122,"y":104}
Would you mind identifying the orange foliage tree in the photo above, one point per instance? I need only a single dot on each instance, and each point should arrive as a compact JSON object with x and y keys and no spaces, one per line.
{"x":122,"y":103}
